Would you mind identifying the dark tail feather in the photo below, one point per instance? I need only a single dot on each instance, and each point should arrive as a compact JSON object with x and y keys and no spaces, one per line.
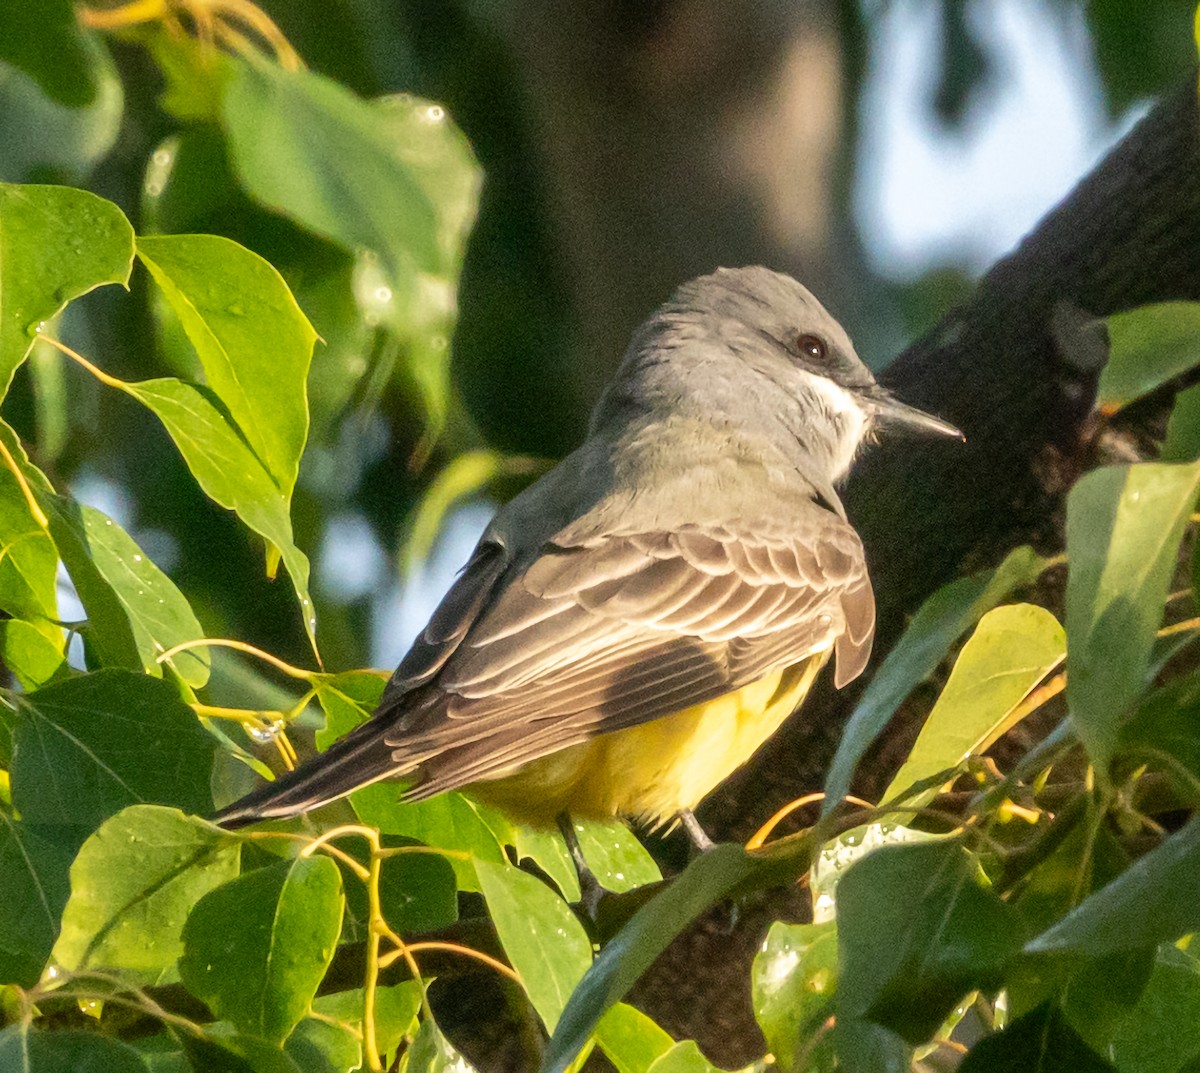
{"x":360,"y":758}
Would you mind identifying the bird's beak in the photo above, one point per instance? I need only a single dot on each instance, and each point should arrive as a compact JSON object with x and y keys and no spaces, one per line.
{"x":888,"y":408}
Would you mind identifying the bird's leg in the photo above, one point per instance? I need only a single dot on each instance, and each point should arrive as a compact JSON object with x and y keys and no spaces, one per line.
{"x":590,"y":891}
{"x":696,"y":834}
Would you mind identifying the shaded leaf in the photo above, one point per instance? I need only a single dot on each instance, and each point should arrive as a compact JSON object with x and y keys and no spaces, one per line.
{"x":865,"y":1046}
{"x":793,"y":980}
{"x":86,"y":747}
{"x":1157,"y":899}
{"x":1162,"y":1033}
{"x":417,"y":891}
{"x":290,"y":135}
{"x":1124,"y":524}
{"x":316,"y":1046}
{"x":917,"y":932}
{"x":135,"y":612}
{"x":132,"y":886}
{"x":1148,"y":347}
{"x":46,"y":41}
{"x":33,"y":891}
{"x":431,"y":1052}
{"x":56,"y":243}
{"x":951,"y":610}
{"x":256,"y":948}
{"x":1182,"y":443}
{"x":1167,"y":724}
{"x":1039,"y":1042}
{"x":254,"y":343}
{"x":26,"y":1050}
{"x":1012,"y":649}
{"x":222,"y":1049}
{"x":541,"y":936}
{"x":229,"y":471}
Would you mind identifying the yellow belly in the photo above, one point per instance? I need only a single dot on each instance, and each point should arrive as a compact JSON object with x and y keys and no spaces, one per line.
{"x":652,"y":771}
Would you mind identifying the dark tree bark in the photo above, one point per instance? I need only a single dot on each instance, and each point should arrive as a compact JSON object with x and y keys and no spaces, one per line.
{"x":1012,"y":372}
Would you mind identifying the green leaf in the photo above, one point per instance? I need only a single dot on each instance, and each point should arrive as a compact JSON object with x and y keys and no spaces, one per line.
{"x":630,"y":1039}
{"x":617,"y":859}
{"x":792,"y":981}
{"x":863,"y":1045}
{"x":28,"y":560}
{"x":1182,"y":443}
{"x":1148,"y":347}
{"x":86,"y":747}
{"x":917,"y":932}
{"x":1012,"y":649}
{"x":222,"y":1049}
{"x":256,"y":948}
{"x":229,"y":471}
{"x":46,"y":41}
{"x":541,"y":936}
{"x":135,"y":612}
{"x":1157,"y":899}
{"x":132,"y":886}
{"x":23,"y":1050}
{"x":706,"y":881}
{"x":417,"y":890}
{"x":683,"y":1057}
{"x":396,"y":1010}
{"x":431,"y":1052}
{"x":548,"y":850}
{"x":30,"y":655}
{"x":318,"y":1047}
{"x":466,"y":475}
{"x":347,"y":699}
{"x":56,"y":243}
{"x":1039,"y":1042}
{"x":1124,"y":524}
{"x":252,"y":339}
{"x":47,"y":141}
{"x":950,"y":611}
{"x":308,"y":148}
{"x":1162,"y":1033}
{"x":448,"y":821}
{"x":33,"y":891}
{"x":1166,"y":726}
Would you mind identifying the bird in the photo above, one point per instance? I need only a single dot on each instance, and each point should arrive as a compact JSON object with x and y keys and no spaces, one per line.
{"x":636,"y":623}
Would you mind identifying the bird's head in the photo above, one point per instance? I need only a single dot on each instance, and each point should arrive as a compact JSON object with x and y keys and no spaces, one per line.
{"x":756,"y":346}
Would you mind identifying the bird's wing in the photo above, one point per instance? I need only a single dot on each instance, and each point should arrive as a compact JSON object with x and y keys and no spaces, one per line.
{"x":620,"y":629}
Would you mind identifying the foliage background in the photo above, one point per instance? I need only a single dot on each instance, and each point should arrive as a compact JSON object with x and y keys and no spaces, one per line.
{"x":577,"y":237}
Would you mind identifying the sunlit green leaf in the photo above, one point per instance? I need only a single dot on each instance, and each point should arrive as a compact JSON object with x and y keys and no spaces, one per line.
{"x":316,"y":1046}
{"x":950,"y":611}
{"x":1012,"y":649}
{"x":88,"y":746}
{"x":630,"y":1039}
{"x":447,"y":821}
{"x":347,"y":699}
{"x":228,"y":470}
{"x":256,"y":948}
{"x":431,"y":1052}
{"x":793,"y":980}
{"x":26,"y":1050}
{"x":1039,"y":1042}
{"x":615,"y":856}
{"x":33,"y":892}
{"x":135,"y":612}
{"x":132,"y":886}
{"x":543,"y":939}
{"x":396,"y":1010}
{"x":685,"y":1057}
{"x":1157,"y":899}
{"x":30,"y":655}
{"x":548,"y":850}
{"x":252,"y":339}
{"x":1148,"y":347}
{"x":1124,"y":524}
{"x":916,"y":933}
{"x":56,"y":243}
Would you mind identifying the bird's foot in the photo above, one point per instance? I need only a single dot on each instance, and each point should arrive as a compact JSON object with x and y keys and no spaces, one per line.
{"x":696,"y":834}
{"x":590,"y":891}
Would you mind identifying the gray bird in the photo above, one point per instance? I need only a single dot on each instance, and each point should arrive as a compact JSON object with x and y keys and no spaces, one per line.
{"x":634,"y":625}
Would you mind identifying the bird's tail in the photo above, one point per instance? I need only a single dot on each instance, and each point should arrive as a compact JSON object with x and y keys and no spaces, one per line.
{"x":359,"y":759}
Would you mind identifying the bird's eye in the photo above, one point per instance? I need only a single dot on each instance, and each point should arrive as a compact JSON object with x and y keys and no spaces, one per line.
{"x":812,"y":347}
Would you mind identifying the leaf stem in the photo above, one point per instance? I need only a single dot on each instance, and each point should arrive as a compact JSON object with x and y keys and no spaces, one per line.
{"x":35,"y":509}
{"x":240,"y":646}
